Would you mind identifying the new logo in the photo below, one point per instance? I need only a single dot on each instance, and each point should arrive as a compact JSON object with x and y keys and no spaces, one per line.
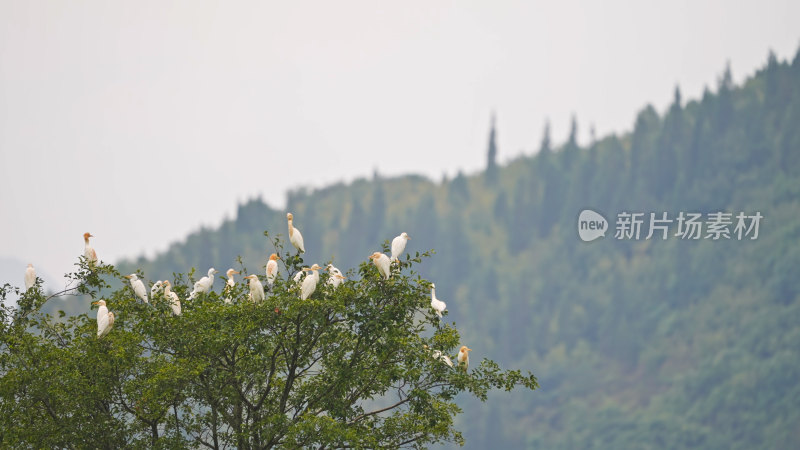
{"x":591,"y":225}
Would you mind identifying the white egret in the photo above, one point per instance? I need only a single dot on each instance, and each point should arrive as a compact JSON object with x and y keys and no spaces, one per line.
{"x":383,"y":264}
{"x":309,"y":282}
{"x":437,"y":305}
{"x":105,"y":319}
{"x":88,"y":250}
{"x":156,"y":288}
{"x":204,"y":284}
{"x":398,"y":245}
{"x":296,"y":279}
{"x":272,"y":268}
{"x":138,"y":286}
{"x":109,"y":326}
{"x":229,"y":284}
{"x":256,"y":288}
{"x":30,"y":277}
{"x":436,"y":354}
{"x":336,"y":278}
{"x":294,"y":235}
{"x":174,"y":301}
{"x":463,"y":357}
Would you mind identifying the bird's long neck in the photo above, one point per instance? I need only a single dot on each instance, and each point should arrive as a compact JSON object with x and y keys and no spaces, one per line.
{"x":86,"y":241}
{"x":291,"y":228}
{"x":433,"y":293}
{"x":167,"y":290}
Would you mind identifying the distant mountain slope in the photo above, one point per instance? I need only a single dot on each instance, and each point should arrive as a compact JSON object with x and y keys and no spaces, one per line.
{"x":637,"y":343}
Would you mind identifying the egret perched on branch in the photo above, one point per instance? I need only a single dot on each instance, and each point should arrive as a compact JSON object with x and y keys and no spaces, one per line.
{"x":109,"y":326}
{"x":229,"y":284}
{"x":30,"y":277}
{"x":105,"y":319}
{"x":272,"y":268}
{"x":156,"y":288}
{"x":256,"y":288}
{"x":440,"y":356}
{"x":309,"y":282}
{"x":294,"y":235}
{"x":382,"y":262}
{"x":437,"y":305}
{"x":398,"y":245}
{"x":88,"y":250}
{"x":204,"y":284}
{"x":138,"y":286}
{"x":297,"y":279}
{"x":174,"y":301}
{"x":463,"y":357}
{"x":298,"y":276}
{"x":336,"y":278}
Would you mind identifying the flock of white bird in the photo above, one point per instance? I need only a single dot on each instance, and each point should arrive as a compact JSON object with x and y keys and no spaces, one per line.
{"x":308,"y":284}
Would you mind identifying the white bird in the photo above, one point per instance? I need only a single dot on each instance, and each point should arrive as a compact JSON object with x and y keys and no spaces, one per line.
{"x":88,"y":250}
{"x":204,"y":284}
{"x":174,"y":301}
{"x":437,"y":305}
{"x":463,"y":357}
{"x":256,"y":288}
{"x":398,"y":245}
{"x":229,"y":284}
{"x":105,"y":319}
{"x":138,"y":286}
{"x":296,"y":279}
{"x":156,"y":288}
{"x":336,"y":278}
{"x":30,"y":277}
{"x":109,"y":325}
{"x":294,"y":235}
{"x":272,"y":268}
{"x":309,"y":282}
{"x":436,"y":354}
{"x":383,"y":264}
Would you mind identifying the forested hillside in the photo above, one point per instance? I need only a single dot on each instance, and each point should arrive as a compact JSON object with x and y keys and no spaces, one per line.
{"x":642,"y":343}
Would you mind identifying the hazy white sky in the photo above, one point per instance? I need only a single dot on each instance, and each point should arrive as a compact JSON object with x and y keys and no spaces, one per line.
{"x":140,"y":121}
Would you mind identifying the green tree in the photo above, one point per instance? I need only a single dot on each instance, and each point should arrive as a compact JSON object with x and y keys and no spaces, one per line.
{"x":491,"y":154}
{"x":351,"y":367}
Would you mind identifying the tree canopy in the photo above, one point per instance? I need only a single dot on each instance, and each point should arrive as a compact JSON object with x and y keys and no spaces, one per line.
{"x":350,"y":367}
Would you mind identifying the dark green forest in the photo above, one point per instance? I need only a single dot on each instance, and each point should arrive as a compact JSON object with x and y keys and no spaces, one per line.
{"x":672,"y":343}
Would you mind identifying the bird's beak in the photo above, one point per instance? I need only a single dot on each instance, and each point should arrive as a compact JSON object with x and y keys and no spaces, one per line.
{"x":236,"y":272}
{"x":91,"y":235}
{"x":341,"y":277}
{"x":469,"y":349}
{"x":95,"y":303}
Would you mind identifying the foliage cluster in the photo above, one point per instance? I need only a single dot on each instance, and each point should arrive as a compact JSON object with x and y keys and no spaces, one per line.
{"x":346,"y":368}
